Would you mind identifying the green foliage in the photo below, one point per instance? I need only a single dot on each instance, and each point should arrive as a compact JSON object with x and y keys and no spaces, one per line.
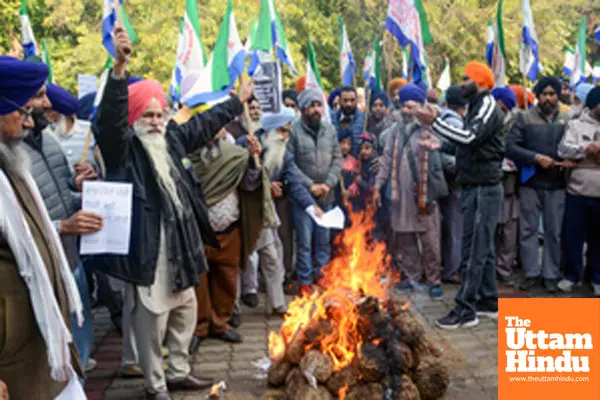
{"x":73,"y":31}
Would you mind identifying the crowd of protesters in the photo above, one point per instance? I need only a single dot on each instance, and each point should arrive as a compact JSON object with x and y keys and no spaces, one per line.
{"x":462,"y":189}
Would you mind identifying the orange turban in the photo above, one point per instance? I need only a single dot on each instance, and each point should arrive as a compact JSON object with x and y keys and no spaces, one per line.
{"x":140,"y":95}
{"x":520,"y":93}
{"x":301,"y":84}
{"x":481,"y":74}
{"x":395,"y":85}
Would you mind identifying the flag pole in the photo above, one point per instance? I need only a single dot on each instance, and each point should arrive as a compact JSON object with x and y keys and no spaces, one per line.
{"x":526,"y":63}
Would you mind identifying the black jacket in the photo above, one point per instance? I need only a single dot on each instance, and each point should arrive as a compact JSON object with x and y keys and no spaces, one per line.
{"x":533,"y":134}
{"x":126,"y":160}
{"x":480,"y":144}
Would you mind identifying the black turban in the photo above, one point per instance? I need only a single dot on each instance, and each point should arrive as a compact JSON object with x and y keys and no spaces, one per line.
{"x":546,"y":81}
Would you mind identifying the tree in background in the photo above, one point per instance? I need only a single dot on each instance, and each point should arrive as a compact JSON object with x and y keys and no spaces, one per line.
{"x":73,"y":32}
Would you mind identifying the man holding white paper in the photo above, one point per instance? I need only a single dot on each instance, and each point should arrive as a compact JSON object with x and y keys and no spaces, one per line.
{"x":313,"y":144}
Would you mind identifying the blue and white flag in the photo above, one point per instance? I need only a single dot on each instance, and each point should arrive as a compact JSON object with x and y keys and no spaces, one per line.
{"x":29,"y":44}
{"x":569,"y":61}
{"x":598,"y":34}
{"x":529,"y":59}
{"x":109,"y":22}
{"x":407,"y":21}
{"x":100,"y":92}
{"x":225,"y":65}
{"x":348,"y":68}
{"x":489,"y":46}
{"x":269,"y":33}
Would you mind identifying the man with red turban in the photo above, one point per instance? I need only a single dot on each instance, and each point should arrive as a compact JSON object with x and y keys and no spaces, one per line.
{"x":479,"y":154}
{"x":169,"y":221}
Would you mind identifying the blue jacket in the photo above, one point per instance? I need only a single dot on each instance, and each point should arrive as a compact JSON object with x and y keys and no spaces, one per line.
{"x":293,"y":186}
{"x":356,"y":127}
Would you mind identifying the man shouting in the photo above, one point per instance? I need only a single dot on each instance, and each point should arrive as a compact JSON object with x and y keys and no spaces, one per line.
{"x":169,"y":222}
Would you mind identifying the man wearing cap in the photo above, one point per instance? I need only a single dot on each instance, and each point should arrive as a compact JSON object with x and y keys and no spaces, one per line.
{"x":450,"y":207}
{"x":415,"y":218}
{"x":313,"y":145}
{"x":533,"y":144}
{"x":508,"y":226}
{"x":169,"y":221}
{"x":581,"y":144}
{"x":349,"y":116}
{"x":37,"y":290}
{"x":479,"y":154}
{"x":284,"y":183}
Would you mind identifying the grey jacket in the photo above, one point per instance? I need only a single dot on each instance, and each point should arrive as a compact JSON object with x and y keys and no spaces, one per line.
{"x":51,"y":172}
{"x":317,"y":156}
{"x":584,"y":181}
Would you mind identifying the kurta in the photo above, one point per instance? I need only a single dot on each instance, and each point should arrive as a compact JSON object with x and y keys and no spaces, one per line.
{"x":23,"y":360}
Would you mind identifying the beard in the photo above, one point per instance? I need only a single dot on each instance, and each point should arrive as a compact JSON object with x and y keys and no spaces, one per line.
{"x":156,"y":146}
{"x":313,"y":120}
{"x":13,"y":158}
{"x":408,"y":118}
{"x":547,"y":107}
{"x":275,"y":146}
{"x":60,"y":126}
{"x":40,"y":122}
{"x":469,"y":91}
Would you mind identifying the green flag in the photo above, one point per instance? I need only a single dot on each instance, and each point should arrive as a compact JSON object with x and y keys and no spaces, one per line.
{"x":46,"y":60}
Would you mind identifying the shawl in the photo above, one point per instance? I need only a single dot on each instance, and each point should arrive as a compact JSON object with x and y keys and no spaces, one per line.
{"x":224,"y":175}
{"x":51,"y":324}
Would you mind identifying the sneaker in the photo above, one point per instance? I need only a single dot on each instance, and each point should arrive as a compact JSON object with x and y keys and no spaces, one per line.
{"x":508,"y":281}
{"x":487,"y":313}
{"x":436,"y":292}
{"x":291,"y":288}
{"x":565,"y":285}
{"x":596,"y":287}
{"x":550,"y":285}
{"x":91,"y":365}
{"x":528,"y":283}
{"x":404,"y":286}
{"x":457,"y":318}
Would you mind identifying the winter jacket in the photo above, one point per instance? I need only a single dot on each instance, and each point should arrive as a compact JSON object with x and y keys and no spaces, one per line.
{"x":578,"y":135}
{"x":50,"y":169}
{"x":480,"y":144}
{"x":317,"y":156}
{"x":533,"y":134}
{"x":356,"y":127}
{"x":127,"y":160}
{"x":292,"y":186}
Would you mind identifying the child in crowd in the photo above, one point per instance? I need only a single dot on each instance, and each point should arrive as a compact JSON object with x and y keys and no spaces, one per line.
{"x":361,"y":189}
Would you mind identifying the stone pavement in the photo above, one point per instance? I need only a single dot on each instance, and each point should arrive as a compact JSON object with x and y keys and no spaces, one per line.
{"x":471,"y":353}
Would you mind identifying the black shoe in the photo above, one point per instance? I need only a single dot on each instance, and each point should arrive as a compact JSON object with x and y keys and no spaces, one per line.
{"x":550,"y":285}
{"x":291,"y":288}
{"x":235,"y":320}
{"x":190,"y":382}
{"x":528,"y":283}
{"x":158,"y":396}
{"x":508,"y":281}
{"x":230,"y":336}
{"x":458,"y":318}
{"x":195,"y":343}
{"x":250,"y":299}
{"x":486,"y":311}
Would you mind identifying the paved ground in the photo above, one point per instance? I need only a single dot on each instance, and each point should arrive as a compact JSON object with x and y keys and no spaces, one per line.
{"x":472,"y":354}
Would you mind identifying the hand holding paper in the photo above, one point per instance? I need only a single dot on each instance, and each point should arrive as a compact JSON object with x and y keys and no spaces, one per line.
{"x":332,"y":219}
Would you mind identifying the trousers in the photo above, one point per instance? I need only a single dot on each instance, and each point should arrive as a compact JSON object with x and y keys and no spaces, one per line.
{"x":506,"y":240}
{"x":451,"y":232}
{"x":218,"y":288}
{"x":550,"y":205}
{"x":269,"y":250}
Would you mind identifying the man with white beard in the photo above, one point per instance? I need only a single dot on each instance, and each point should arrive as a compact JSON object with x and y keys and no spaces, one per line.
{"x":284,"y":181}
{"x":37,"y":289}
{"x":169,"y":221}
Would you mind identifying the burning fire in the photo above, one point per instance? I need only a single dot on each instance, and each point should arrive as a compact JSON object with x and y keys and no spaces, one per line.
{"x":361,"y":269}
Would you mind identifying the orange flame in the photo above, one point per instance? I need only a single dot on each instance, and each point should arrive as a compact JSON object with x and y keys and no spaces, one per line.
{"x":342,"y":393}
{"x":276,"y":346}
{"x":361,"y":269}
{"x":405,"y":306}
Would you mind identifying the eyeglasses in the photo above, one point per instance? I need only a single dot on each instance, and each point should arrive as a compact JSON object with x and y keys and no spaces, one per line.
{"x":24,"y":112}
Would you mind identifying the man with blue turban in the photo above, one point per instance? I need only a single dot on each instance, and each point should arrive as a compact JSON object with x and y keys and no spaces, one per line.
{"x":415,"y":218}
{"x":37,"y":287}
{"x":508,"y":225}
{"x":379,"y":117}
